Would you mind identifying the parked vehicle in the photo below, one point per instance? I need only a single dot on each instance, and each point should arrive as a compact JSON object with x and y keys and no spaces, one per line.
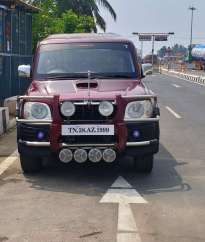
{"x":198,"y":56}
{"x":147,"y":69}
{"x":86,"y":102}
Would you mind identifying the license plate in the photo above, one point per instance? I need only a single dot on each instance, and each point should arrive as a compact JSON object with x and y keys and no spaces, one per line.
{"x":80,"y":130}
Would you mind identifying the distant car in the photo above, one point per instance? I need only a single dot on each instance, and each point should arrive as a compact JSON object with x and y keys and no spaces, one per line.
{"x":86,"y":102}
{"x":147,"y":69}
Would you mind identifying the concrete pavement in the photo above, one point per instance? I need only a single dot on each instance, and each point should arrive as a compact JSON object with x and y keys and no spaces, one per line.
{"x":7,"y":115}
{"x":63,"y":202}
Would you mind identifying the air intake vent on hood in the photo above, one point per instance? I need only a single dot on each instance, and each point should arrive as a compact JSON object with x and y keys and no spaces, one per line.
{"x":85,"y":85}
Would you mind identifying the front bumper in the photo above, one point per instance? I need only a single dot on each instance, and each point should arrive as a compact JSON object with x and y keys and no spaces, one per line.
{"x":146,"y":142}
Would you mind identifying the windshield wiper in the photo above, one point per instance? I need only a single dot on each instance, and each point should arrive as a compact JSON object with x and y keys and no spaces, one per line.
{"x":93,"y":75}
{"x":62,"y":77}
{"x":110,"y":76}
{"x":58,"y":77}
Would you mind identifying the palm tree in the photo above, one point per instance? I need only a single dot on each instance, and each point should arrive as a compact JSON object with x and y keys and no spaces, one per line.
{"x":89,"y":8}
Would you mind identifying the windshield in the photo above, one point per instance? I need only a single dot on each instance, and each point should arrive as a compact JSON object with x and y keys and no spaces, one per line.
{"x":76,"y":60}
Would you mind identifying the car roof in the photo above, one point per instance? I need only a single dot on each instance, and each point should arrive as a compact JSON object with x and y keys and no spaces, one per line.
{"x":85,"y":37}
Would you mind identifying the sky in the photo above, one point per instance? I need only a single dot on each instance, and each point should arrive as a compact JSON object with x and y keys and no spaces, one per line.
{"x":157,"y":16}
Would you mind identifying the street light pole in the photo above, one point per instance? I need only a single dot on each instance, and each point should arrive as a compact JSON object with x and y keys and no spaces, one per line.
{"x":142,"y":50}
{"x":153,"y":39}
{"x":191,"y":36}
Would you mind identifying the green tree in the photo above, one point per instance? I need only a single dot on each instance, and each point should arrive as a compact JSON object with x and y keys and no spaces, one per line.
{"x":47,"y":21}
{"x":88,"y":8}
{"x":175,"y":50}
{"x":71,"y":23}
{"x":43,"y":22}
{"x":162,"y":52}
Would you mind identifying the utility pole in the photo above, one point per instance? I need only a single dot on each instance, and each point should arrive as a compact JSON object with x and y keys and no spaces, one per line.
{"x":191,"y":36}
{"x":141,"y":50}
{"x":153,"y":39}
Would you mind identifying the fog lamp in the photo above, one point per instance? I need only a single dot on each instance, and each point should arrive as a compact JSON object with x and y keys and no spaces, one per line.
{"x":136,"y":134}
{"x":40,"y":135}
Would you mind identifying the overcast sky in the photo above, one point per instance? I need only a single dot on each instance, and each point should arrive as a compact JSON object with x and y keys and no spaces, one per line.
{"x":158,"y":16}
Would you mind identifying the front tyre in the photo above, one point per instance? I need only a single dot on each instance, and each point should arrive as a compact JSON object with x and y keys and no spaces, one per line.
{"x":144,"y":164}
{"x":30,"y":164}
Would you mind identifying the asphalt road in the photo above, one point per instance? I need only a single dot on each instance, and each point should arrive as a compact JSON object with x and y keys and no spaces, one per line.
{"x":63,"y":203}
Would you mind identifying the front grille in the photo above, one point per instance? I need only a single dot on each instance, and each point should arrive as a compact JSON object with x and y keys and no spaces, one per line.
{"x":88,"y":113}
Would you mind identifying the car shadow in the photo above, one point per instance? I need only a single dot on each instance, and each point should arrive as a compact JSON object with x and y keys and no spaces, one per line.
{"x":164,"y":177}
{"x":94,"y":179}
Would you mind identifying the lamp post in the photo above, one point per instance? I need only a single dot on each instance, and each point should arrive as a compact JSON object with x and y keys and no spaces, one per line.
{"x":141,"y":50}
{"x":191,"y":36}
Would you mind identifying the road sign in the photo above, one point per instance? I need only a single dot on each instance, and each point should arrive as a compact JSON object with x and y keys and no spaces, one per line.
{"x":145,"y":38}
{"x":161,"y":37}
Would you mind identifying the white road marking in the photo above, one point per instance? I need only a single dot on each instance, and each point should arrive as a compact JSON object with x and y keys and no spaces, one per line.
{"x":126,"y":221}
{"x":176,"y":115}
{"x":184,"y":79}
{"x":175,"y":85}
{"x":8,"y":162}
{"x":121,"y":183}
{"x":128,"y":237}
{"x":193,"y":82}
{"x":122,"y":192}
{"x":122,"y":196}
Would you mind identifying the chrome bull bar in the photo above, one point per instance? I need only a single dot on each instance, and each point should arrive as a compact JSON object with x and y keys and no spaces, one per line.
{"x":86,"y":146}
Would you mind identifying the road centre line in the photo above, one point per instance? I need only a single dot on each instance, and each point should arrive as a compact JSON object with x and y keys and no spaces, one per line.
{"x":175,"y":85}
{"x":176,"y":115}
{"x":8,"y":162}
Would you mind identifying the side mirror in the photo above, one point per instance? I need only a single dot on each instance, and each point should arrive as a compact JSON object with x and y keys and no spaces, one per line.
{"x":24,"y":71}
{"x":147,"y":69}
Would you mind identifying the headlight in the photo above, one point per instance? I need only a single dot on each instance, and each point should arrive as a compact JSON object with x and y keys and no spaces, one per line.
{"x":36,"y":110}
{"x":67,"y":109}
{"x":139,"y":109}
{"x":106,"y":108}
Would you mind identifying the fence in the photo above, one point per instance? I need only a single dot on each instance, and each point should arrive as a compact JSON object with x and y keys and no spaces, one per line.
{"x":15,"y":49}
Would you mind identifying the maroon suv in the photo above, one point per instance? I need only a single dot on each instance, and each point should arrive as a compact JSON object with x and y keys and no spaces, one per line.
{"x":86,"y":102}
